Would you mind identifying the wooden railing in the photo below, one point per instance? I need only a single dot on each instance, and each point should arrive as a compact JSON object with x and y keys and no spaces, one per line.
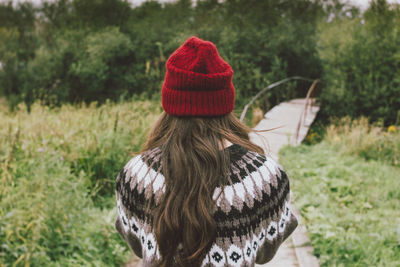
{"x":268,"y":88}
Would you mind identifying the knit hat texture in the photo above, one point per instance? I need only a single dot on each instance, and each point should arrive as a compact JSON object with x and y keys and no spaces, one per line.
{"x":198,"y":82}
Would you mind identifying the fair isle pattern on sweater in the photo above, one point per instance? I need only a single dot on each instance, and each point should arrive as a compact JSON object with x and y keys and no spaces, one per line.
{"x":252,"y":216}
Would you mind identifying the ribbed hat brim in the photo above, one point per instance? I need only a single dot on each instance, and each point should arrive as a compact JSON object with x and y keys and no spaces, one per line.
{"x":198,"y":103}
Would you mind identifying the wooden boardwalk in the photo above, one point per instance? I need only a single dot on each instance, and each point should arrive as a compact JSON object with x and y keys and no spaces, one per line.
{"x":296,"y":251}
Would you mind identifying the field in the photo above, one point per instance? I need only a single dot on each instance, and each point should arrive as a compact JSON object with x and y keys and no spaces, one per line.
{"x":57,"y":171}
{"x":346,"y":188}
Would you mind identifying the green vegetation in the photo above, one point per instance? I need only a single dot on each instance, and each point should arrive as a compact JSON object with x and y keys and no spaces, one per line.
{"x":81,"y":81}
{"x":369,"y":141}
{"x":90,"y":50}
{"x":360,"y":57}
{"x":57,"y":173}
{"x":68,"y":51}
{"x":348,"y":194}
{"x":57,"y":169}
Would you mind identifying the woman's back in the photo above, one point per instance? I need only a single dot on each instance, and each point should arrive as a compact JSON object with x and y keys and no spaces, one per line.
{"x":252,"y":214}
{"x":188,"y":201}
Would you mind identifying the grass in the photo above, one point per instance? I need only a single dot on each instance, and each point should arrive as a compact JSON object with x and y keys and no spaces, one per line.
{"x":57,"y":173}
{"x":369,"y":141}
{"x":350,"y":202}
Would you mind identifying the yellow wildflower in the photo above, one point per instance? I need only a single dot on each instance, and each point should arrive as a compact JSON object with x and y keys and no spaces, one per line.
{"x":392,"y":129}
{"x":336,"y":139}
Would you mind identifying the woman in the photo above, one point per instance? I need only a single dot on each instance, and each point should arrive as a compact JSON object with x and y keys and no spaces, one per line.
{"x":200,"y":193}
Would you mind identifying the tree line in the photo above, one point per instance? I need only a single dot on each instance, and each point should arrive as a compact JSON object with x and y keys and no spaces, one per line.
{"x":93,"y":50}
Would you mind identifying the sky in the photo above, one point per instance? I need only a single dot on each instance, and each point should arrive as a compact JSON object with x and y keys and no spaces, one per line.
{"x":363,"y":4}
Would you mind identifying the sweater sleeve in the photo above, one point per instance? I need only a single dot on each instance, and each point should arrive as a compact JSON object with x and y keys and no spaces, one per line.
{"x":284,"y":224}
{"x":125,"y":223}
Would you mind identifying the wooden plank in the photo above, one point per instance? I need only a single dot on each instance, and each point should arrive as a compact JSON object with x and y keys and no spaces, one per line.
{"x":296,"y":251}
{"x":285,"y":256}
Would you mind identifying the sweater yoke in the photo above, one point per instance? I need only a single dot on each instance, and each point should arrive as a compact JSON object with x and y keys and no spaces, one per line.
{"x":253,"y":214}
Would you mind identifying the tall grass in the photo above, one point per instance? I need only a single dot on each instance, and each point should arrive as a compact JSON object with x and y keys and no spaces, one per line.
{"x":346,"y":188}
{"x":57,"y":171}
{"x":370,"y":141}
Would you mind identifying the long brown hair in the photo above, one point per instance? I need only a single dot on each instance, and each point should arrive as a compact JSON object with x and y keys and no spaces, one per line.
{"x":194,"y":162}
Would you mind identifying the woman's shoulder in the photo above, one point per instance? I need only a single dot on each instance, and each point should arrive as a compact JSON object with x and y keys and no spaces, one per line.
{"x":254,"y":179}
{"x":140,"y":163}
{"x":242,"y":161}
{"x":141,"y":173}
{"x":245,"y":162}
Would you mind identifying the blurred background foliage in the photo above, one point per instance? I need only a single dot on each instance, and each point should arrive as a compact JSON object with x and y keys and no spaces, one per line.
{"x":93,"y":50}
{"x":361,"y":60}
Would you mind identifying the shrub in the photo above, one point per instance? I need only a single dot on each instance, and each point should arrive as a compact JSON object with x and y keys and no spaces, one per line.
{"x":370,"y":141}
{"x":359,"y":58}
{"x":84,"y":54}
{"x":81,"y":66}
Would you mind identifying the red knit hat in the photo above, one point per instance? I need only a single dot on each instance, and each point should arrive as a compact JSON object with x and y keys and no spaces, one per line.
{"x":198,"y":82}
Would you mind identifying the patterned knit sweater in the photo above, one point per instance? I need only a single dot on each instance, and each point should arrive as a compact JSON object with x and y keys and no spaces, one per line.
{"x":253,"y":215}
